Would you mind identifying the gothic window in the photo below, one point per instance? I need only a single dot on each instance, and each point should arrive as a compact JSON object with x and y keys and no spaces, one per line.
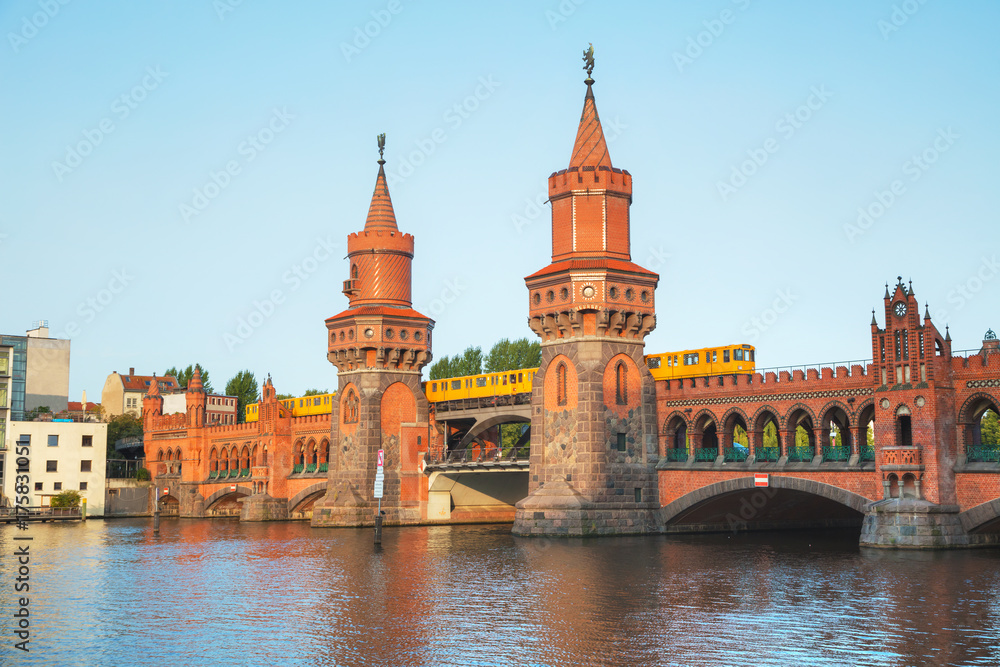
{"x":354,"y":272}
{"x":351,"y":407}
{"x":561,"y":383}
{"x":621,"y":383}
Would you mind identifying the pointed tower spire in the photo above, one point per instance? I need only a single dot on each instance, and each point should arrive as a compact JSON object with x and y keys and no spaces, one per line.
{"x":927,"y":311}
{"x":590,"y":148}
{"x":874,"y":322}
{"x":195,"y":383}
{"x":154,"y":387}
{"x":380,"y":213}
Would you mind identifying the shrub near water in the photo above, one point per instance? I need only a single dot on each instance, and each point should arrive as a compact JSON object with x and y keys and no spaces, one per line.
{"x":66,"y":499}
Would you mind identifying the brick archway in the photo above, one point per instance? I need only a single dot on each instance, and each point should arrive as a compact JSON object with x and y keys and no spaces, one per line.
{"x":301,"y":496}
{"x":706,"y":493}
{"x":218,"y":495}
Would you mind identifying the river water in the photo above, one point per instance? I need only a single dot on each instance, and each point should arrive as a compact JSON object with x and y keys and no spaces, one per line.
{"x":220,"y":592}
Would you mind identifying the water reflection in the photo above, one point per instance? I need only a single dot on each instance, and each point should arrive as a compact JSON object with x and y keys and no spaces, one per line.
{"x":222,"y":592}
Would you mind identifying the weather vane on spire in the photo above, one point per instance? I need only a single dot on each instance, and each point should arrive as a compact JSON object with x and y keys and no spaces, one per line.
{"x":381,"y":145}
{"x":588,"y":60}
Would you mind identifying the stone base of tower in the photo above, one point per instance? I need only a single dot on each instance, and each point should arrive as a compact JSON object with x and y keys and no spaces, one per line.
{"x":556,"y":508}
{"x":343,"y":506}
{"x":917,"y":524}
{"x":262,"y":507}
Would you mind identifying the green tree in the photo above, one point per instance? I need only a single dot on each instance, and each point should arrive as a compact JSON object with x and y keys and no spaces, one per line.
{"x":244,"y":387}
{"x":469,"y":362}
{"x":315,"y":392}
{"x":69,"y":498}
{"x":990,"y":428}
{"x":740,"y":436}
{"x":801,"y":437}
{"x":33,"y":414}
{"x":283,"y":397}
{"x":122,"y":426}
{"x":184,"y":376}
{"x":770,"y":435}
{"x":508,"y":355}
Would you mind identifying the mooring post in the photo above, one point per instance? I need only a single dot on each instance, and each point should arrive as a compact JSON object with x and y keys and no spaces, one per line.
{"x":156,"y":511}
{"x":83,"y":510}
{"x":378,"y":523}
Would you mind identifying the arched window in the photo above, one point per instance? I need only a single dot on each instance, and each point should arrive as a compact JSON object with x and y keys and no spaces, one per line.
{"x":351,"y":407}
{"x":621,"y":383}
{"x":354,"y":272}
{"x":561,"y":383}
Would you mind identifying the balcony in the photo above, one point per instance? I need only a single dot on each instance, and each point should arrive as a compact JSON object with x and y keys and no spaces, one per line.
{"x":901,"y":459}
{"x":350,"y":287}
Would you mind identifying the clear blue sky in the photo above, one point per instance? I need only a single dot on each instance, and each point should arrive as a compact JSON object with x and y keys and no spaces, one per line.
{"x":847,"y":101}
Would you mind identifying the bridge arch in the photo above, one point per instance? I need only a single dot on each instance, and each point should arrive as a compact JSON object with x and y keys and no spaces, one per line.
{"x":983,"y":518}
{"x":484,"y":425}
{"x":971,"y":415}
{"x":675,"y":430}
{"x":306,"y":496}
{"x":720,"y":503}
{"x":215,"y":499}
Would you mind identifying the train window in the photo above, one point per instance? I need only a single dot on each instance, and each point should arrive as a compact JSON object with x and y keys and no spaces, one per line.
{"x":504,"y":379}
{"x":520,"y":377}
{"x":715,"y":356}
{"x":752,"y":355}
{"x":691,"y":359}
{"x":513,"y":378}
{"x":725,"y":356}
{"x":434,"y":386}
{"x":653,"y":362}
{"x":480,"y":382}
{"x":456,"y":384}
{"x":737,"y":355}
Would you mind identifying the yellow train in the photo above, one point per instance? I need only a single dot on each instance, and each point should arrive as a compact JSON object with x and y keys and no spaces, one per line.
{"x":703,"y":361}
{"x":665,"y":366}
{"x":504,"y":383}
{"x":320,"y":404}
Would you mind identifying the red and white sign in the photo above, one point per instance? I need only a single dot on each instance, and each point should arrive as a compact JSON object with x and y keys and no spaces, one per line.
{"x":761,"y":479}
{"x":381,"y":457}
{"x":166,"y":492}
{"x":232,"y":487}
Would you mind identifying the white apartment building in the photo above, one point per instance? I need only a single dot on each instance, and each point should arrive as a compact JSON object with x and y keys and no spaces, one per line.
{"x":62,"y":456}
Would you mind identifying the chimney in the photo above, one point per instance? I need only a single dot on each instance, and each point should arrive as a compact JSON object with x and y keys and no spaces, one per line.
{"x":83,"y":401}
{"x":131,"y":371}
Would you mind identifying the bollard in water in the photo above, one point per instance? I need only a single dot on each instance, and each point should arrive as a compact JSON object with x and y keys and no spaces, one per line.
{"x":378,"y":528}
{"x":83,"y":510}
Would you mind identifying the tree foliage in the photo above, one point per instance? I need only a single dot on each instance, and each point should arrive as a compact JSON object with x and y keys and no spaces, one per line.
{"x":740,"y":436}
{"x":315,"y":392}
{"x":33,"y":414}
{"x":469,"y":362}
{"x":70,"y":498}
{"x":184,"y":376}
{"x":507,"y":355}
{"x":990,"y":426}
{"x":244,"y":387}
{"x":125,"y":425}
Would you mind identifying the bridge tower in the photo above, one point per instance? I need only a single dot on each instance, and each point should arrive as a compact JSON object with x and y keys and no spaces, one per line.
{"x":914,"y":433}
{"x":593,"y":422}
{"x":379,"y":346}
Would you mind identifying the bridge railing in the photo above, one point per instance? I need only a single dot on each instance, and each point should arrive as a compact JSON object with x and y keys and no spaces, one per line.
{"x":478,"y":455}
{"x":39,"y":511}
